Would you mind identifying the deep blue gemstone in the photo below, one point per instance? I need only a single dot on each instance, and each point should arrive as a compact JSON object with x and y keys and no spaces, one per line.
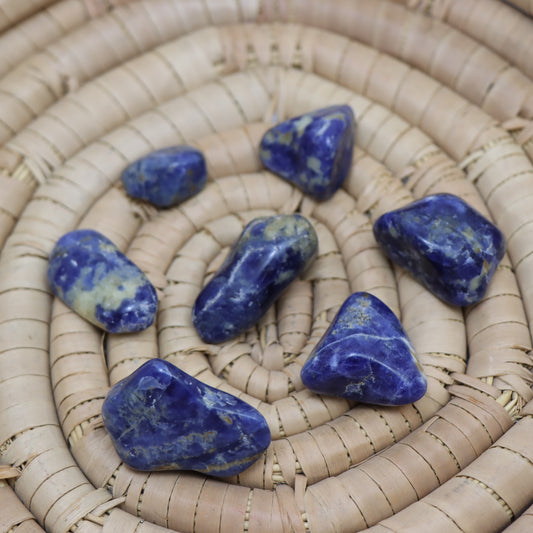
{"x":160,"y":418}
{"x":166,"y":177}
{"x":365,"y":355}
{"x":270,"y":253}
{"x":90,"y":275}
{"x":313,"y":151}
{"x":445,"y":244}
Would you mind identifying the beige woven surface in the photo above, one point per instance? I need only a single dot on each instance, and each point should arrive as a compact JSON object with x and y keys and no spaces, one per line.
{"x":443,"y":96}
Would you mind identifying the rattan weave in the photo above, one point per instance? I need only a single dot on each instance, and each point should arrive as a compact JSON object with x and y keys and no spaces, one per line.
{"x":443,"y":95}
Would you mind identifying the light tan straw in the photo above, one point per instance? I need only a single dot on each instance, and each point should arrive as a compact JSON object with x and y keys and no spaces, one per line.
{"x":442,"y":91}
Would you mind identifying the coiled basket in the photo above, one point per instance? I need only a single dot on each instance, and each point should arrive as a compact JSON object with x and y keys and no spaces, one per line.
{"x":443,"y":95}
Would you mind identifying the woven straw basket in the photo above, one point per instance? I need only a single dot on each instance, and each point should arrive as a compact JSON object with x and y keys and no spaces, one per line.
{"x":443,"y":95}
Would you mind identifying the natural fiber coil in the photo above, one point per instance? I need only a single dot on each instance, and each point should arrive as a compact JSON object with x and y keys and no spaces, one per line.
{"x":443,"y":96}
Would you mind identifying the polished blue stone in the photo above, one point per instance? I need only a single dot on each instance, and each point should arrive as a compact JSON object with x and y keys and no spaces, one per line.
{"x":270,"y":253}
{"x":448,"y":246}
{"x":160,"y":418}
{"x":90,"y":275}
{"x":166,"y":177}
{"x":365,"y":355}
{"x":313,"y":151}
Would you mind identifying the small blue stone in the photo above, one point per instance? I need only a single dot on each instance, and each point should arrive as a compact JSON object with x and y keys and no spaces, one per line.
{"x":166,"y":177}
{"x":313,"y":151}
{"x":160,"y":418}
{"x":445,"y":244}
{"x":90,"y":275}
{"x":365,"y":355}
{"x":270,"y":253}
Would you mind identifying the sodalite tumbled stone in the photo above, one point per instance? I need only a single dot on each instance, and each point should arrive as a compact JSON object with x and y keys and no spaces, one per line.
{"x":313,"y":151}
{"x":445,"y":244}
{"x":270,"y":253}
{"x":90,"y":275}
{"x":166,"y":177}
{"x":160,"y":418}
{"x":365,"y":355}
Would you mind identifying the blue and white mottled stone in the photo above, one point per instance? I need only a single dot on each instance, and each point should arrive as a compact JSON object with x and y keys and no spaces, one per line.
{"x":160,"y":418}
{"x":448,"y":246}
{"x":166,"y":177}
{"x":270,"y":253}
{"x":313,"y":151}
{"x":90,"y":275}
{"x":365,"y":355}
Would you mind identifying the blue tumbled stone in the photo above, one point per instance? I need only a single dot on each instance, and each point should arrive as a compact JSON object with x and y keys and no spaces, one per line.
{"x":270,"y":253}
{"x":365,"y":355}
{"x":445,"y":244}
{"x":313,"y":151}
{"x":160,"y":418}
{"x":90,"y":275}
{"x":166,"y":177}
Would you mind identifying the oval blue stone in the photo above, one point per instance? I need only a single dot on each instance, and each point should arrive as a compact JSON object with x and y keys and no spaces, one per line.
{"x":313,"y":151}
{"x":166,"y":177}
{"x":90,"y":275}
{"x":447,"y":245}
{"x":365,"y":355}
{"x":270,"y":253}
{"x":160,"y":418}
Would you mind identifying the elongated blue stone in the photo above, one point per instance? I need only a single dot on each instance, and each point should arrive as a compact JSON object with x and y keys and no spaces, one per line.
{"x":166,"y":177}
{"x":160,"y":418}
{"x":365,"y":355}
{"x":313,"y":151}
{"x":448,"y":246}
{"x":90,"y":275}
{"x":270,"y":253}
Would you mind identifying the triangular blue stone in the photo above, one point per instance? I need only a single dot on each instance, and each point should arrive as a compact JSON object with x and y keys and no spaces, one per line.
{"x":313,"y":151}
{"x":365,"y":355}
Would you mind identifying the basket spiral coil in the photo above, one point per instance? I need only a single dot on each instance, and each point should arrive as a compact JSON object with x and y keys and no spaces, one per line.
{"x":443,"y":95}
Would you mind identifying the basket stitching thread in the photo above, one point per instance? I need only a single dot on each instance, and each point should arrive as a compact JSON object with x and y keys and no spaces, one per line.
{"x":491,"y":492}
{"x":362,"y":430}
{"x":346,"y":449}
{"x":386,"y":424}
{"x":446,"y":514}
{"x":477,"y":419}
{"x":424,"y":459}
